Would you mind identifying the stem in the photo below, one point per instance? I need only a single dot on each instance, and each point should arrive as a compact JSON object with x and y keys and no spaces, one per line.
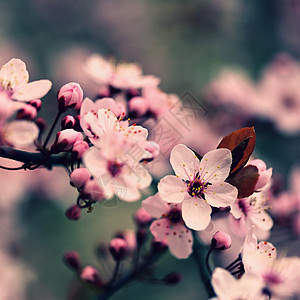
{"x":12,"y":169}
{"x":207,"y":260}
{"x":51,"y":129}
{"x":112,"y":289}
{"x":198,"y":254}
{"x":116,"y":270}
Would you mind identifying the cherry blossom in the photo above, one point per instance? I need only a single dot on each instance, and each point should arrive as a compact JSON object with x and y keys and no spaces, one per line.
{"x":14,"y":82}
{"x":198,"y":185}
{"x":169,"y":225}
{"x":280,"y":274}
{"x":264,"y":173}
{"x":250,"y":211}
{"x":121,"y":76}
{"x":227,"y":287}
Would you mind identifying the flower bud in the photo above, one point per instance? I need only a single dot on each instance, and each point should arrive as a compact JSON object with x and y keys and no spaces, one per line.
{"x":91,"y":276}
{"x":172,"y":278}
{"x":142,"y":218}
{"x":130,"y":237}
{"x":79,"y":177}
{"x":68,"y":122}
{"x":65,"y":140}
{"x":73,"y":212}
{"x":79,"y":149}
{"x":41,"y":124}
{"x":221,"y":241}
{"x":72,"y":260}
{"x":264,"y":173}
{"x":27,"y":112}
{"x":118,"y":248}
{"x":37,"y":103}
{"x":158,"y":246}
{"x":69,"y":96}
{"x":138,"y":105}
{"x":93,"y":191}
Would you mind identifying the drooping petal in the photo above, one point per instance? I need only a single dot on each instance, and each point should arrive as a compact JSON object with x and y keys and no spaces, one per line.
{"x":33,"y":90}
{"x":95,"y":162}
{"x":184,"y":162}
{"x":215,"y":165}
{"x":196,"y":213}
{"x":20,"y":133}
{"x":172,"y":189}
{"x":221,"y":194}
{"x":155,"y":206}
{"x":14,"y":74}
{"x":235,"y":210}
{"x":180,"y":241}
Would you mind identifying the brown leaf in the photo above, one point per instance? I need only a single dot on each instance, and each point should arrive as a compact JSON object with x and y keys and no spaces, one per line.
{"x":241,"y":143}
{"x":245,"y":181}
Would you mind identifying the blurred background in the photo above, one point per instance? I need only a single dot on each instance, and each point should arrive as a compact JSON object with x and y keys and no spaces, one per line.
{"x":188,"y":44}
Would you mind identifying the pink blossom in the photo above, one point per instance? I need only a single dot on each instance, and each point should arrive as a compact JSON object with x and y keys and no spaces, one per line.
{"x":14,"y":82}
{"x":122,"y":76}
{"x":79,"y":177}
{"x":227,"y":287}
{"x":264,"y":173}
{"x":169,"y":226}
{"x":70,"y":95}
{"x":221,"y":240}
{"x":198,"y":185}
{"x":118,"y":248}
{"x":250,"y":211}
{"x":65,"y":140}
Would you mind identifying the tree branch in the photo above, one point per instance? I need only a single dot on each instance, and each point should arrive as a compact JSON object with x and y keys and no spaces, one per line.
{"x":32,"y":158}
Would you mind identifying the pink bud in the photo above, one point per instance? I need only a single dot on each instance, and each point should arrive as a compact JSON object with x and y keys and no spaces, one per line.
{"x":79,"y":177}
{"x":79,"y":149}
{"x":138,"y":105}
{"x":72,"y":260}
{"x":221,"y":241}
{"x":264,"y":174}
{"x":65,"y":140}
{"x":153,"y":148}
{"x":73,"y":212}
{"x":142,"y":218}
{"x":70,"y":95}
{"x":93,"y":191}
{"x":37,"y":103}
{"x":118,"y":248}
{"x":67,"y":122}
{"x":27,"y":112}
{"x":91,"y":276}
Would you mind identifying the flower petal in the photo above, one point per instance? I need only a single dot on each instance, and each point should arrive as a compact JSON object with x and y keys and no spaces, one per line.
{"x":223,"y":283}
{"x":221,"y":194}
{"x":196,"y":213}
{"x":184,"y":162}
{"x":33,"y":90}
{"x":215,"y":165}
{"x":155,"y":206}
{"x":180,"y":241}
{"x":160,"y":229}
{"x":172,"y":189}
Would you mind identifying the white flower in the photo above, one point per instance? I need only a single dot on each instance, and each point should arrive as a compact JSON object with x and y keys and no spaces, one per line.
{"x":14,"y":82}
{"x":198,"y":185}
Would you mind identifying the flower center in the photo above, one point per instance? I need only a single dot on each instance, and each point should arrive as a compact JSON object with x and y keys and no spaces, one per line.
{"x":244,"y":206}
{"x":114,"y":168}
{"x":272,"y":278}
{"x":174,"y":215}
{"x":197,"y":187}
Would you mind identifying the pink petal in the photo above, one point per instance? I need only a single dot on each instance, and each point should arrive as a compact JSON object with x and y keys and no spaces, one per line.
{"x":155,"y":206}
{"x":221,"y":194}
{"x":33,"y":90}
{"x":172,"y":189}
{"x":261,"y":220}
{"x":180,"y":241}
{"x":215,"y":165}
{"x":125,"y":192}
{"x":184,"y":162}
{"x":223,"y":283}
{"x":196,"y":213}
{"x":160,"y":229}
{"x":95,"y":162}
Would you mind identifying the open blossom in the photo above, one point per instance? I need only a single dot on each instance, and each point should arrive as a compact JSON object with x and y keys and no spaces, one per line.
{"x":280,"y":275}
{"x":250,"y":211}
{"x":121,"y":76}
{"x":14,"y":82}
{"x":227,"y":287}
{"x":198,"y":185}
{"x":169,"y":226}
